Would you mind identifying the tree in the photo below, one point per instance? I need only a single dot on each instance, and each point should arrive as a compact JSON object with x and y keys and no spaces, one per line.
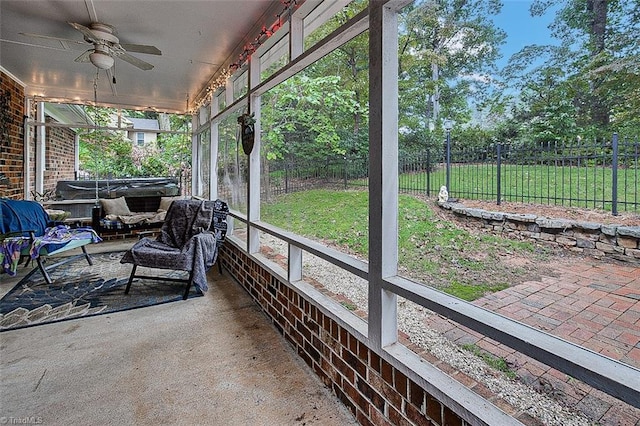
{"x":301,"y":117}
{"x":596,"y":38}
{"x":350,"y":62}
{"x":104,"y":153}
{"x":107,"y":153}
{"x":447,"y":52}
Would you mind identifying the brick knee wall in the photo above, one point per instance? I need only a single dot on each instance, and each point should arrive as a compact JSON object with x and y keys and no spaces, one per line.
{"x":371,"y":388}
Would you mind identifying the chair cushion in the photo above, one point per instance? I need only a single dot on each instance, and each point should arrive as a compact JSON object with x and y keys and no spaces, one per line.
{"x":152,"y":254}
{"x":115,"y":206}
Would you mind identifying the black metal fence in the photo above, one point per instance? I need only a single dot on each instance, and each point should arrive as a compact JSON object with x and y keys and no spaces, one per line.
{"x":602,"y":175}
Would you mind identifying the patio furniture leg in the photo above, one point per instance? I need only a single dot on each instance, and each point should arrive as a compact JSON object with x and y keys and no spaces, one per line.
{"x":86,"y":255}
{"x":186,"y":291}
{"x":133,"y":272}
{"x":190,"y":280}
{"x":45,"y":274}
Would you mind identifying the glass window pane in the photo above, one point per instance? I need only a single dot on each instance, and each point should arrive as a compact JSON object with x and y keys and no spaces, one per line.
{"x":204,"y":156}
{"x":315,"y":151}
{"x":240,"y":85}
{"x":232,"y":164}
{"x":275,"y":58}
{"x":327,"y":17}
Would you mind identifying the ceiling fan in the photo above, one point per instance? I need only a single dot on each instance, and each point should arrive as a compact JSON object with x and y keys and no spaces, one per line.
{"x":106,"y":46}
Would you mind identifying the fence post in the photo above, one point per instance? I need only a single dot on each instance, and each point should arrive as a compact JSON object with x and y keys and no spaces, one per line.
{"x":286,"y":177}
{"x":428,"y":177}
{"x":345,"y":171}
{"x":498,"y":164}
{"x":614,"y":176}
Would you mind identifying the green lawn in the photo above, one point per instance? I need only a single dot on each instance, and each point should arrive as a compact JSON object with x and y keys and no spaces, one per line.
{"x":431,"y":250}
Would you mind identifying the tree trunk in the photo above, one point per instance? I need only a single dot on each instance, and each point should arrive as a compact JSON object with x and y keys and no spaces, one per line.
{"x":598,"y":25}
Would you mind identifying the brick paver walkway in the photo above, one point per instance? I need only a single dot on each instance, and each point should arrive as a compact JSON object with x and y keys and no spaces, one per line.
{"x":593,"y":303}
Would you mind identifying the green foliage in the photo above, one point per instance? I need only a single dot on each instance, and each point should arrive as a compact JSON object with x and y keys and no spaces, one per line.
{"x":471,"y":292}
{"x":302,"y":115}
{"x":492,"y":361}
{"x":108,"y":153}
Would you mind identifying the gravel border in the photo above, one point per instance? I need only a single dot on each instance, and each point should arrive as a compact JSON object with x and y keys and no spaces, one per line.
{"x":411,"y":320}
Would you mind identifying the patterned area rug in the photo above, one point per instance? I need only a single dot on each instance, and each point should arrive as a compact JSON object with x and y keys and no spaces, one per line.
{"x":80,"y":290}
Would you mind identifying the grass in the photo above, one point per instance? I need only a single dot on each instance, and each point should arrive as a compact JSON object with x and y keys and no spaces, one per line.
{"x":471,"y":292}
{"x":492,"y":361}
{"x":430,"y":250}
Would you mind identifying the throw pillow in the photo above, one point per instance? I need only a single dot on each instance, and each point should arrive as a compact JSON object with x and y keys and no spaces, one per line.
{"x":115,"y":206}
{"x":165,"y":202}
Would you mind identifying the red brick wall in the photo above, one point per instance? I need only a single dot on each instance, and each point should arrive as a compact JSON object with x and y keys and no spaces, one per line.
{"x":371,"y":388}
{"x":60,"y":145}
{"x":59,"y":157}
{"x":11,"y":137}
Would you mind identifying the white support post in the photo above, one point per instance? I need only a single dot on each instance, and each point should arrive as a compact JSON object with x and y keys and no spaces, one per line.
{"x":26,"y":143}
{"x":76,"y":155}
{"x":383,"y":175}
{"x":195,"y":163}
{"x":253,"y":193}
{"x":41,"y":150}
{"x":295,"y":263}
{"x":296,"y":37}
{"x":213,"y":165}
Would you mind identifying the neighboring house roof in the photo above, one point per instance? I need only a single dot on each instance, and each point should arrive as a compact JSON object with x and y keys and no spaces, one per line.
{"x":144,"y":124}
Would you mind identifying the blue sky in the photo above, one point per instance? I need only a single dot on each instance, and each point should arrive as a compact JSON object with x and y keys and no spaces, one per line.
{"x":522,"y":29}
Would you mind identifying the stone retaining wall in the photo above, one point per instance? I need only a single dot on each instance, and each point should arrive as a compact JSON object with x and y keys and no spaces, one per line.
{"x":595,"y":239}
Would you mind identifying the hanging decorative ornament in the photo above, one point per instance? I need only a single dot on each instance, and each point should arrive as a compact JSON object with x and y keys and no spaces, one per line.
{"x":247,"y":132}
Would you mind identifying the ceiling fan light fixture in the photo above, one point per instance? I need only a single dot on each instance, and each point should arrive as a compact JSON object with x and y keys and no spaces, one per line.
{"x":101,"y":60}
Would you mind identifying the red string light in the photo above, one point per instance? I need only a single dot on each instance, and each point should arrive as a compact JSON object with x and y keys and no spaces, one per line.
{"x":265,"y":33}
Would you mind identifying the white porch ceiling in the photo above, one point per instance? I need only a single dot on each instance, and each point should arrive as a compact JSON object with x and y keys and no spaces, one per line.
{"x":197,"y":38}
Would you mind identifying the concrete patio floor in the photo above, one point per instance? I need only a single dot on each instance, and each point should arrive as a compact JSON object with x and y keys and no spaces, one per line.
{"x":213,"y":360}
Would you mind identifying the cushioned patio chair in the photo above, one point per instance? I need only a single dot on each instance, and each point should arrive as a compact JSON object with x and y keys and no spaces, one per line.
{"x":189,"y":241}
{"x":27,"y":232}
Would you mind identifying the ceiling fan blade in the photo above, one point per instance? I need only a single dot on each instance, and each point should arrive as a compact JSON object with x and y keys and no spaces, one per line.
{"x":135,"y":61}
{"x":84,"y":57}
{"x":75,"y":43}
{"x":141,"y":48}
{"x":20,"y":43}
{"x":88,"y":34}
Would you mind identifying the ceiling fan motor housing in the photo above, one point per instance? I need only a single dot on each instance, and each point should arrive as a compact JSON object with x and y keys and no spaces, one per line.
{"x":103,"y":32}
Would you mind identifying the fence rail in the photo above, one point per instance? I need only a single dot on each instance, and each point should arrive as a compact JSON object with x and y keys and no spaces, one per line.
{"x":601,"y":175}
